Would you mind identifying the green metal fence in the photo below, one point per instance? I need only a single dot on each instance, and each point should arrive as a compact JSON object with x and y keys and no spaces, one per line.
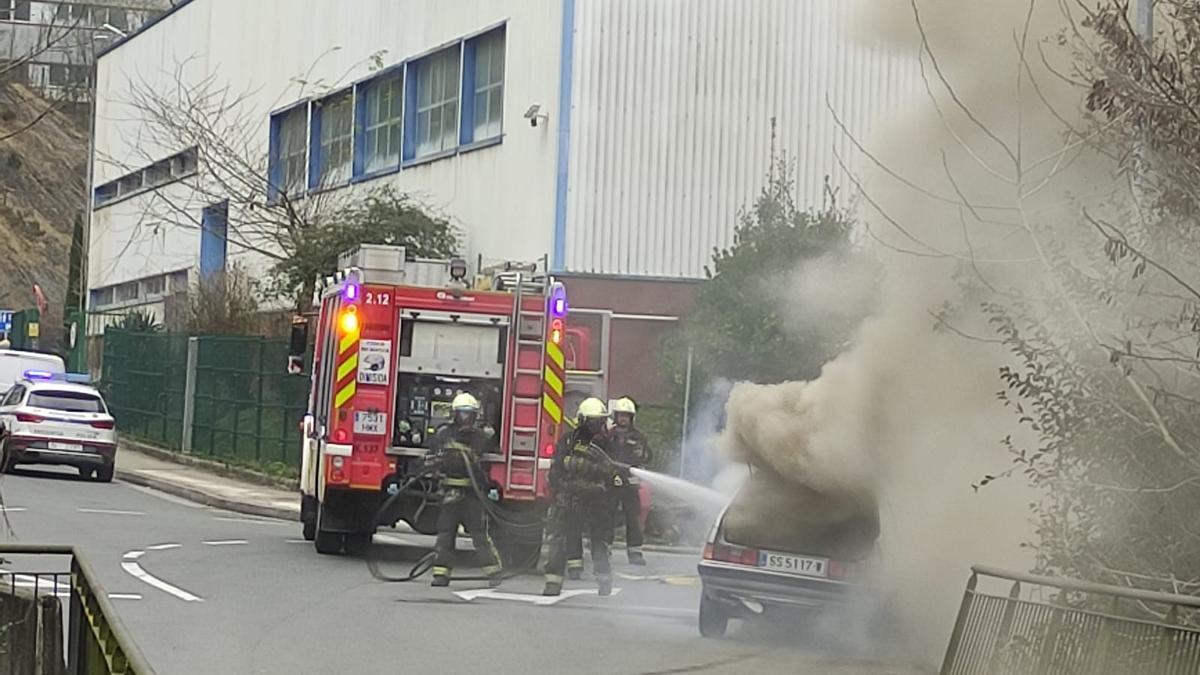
{"x":247,"y":408}
{"x":1048,"y":626}
{"x":143,"y":380}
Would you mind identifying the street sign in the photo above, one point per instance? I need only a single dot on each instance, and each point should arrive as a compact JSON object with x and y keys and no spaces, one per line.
{"x":6,"y":321}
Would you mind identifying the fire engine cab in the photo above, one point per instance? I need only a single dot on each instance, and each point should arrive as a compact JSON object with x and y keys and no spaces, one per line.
{"x":395,"y":341}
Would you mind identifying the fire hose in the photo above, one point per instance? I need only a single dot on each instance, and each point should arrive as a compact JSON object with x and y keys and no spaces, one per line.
{"x":425,"y":563}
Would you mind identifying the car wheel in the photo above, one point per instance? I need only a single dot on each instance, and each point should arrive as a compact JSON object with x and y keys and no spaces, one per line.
{"x":714,"y":618}
{"x":6,"y":464}
{"x":104,"y":474}
{"x":310,"y":530}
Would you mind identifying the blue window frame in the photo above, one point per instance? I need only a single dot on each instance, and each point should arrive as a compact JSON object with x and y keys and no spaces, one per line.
{"x":287,"y":170}
{"x":431,"y":104}
{"x":331,"y":155}
{"x":483,"y":87}
{"x":214,"y":233}
{"x":379,"y":120}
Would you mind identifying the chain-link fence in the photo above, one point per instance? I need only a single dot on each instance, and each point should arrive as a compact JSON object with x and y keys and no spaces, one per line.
{"x":246,"y":407}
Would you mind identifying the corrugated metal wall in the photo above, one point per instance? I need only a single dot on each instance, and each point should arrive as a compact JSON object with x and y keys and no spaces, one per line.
{"x":671,"y":119}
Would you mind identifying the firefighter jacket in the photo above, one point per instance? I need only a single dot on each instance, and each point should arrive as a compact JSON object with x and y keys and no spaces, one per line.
{"x":629,"y":446}
{"x":452,"y":448}
{"x":581,"y":468}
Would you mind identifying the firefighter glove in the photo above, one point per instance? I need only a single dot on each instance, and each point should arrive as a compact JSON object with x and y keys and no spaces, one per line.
{"x":493,"y":495}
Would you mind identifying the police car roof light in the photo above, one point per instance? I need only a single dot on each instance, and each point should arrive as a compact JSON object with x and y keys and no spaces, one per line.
{"x":39,"y":375}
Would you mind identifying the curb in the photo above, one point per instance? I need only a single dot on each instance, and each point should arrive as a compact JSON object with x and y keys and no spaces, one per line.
{"x":211,"y":465}
{"x":200,"y":497}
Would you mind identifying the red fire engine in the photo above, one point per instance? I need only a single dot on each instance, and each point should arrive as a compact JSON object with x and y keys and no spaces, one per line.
{"x":396,"y":340}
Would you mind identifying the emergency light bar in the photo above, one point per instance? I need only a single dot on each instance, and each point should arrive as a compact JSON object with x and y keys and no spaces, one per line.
{"x":45,"y":375}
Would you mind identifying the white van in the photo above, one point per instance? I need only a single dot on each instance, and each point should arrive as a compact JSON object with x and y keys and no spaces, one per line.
{"x":14,"y":365}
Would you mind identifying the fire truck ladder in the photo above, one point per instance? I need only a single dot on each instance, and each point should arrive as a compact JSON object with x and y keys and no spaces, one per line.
{"x":525,"y":407}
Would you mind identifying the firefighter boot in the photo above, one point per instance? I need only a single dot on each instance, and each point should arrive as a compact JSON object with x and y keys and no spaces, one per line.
{"x":574,"y":570}
{"x":605,"y":584}
{"x":495,"y":579}
{"x":552,"y":588}
{"x":636,"y":557}
{"x":440,"y":580}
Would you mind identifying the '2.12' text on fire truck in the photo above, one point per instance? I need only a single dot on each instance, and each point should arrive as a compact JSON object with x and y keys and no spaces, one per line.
{"x":396,"y":341}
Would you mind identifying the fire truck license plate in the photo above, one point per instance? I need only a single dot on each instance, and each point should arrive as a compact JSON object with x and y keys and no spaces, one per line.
{"x":370,"y":422}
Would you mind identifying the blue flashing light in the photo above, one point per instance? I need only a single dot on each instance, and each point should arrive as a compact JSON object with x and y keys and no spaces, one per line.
{"x":558,"y":300}
{"x":78,"y":378}
{"x":350,"y":292}
{"x":39,"y":375}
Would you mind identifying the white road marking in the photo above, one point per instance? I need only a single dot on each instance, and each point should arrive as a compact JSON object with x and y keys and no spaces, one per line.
{"x":296,"y":541}
{"x":255,"y":520}
{"x":133,"y":555}
{"x":112,"y":512}
{"x":135,"y":570}
{"x":492,"y":594}
{"x":226,"y":542}
{"x":162,"y":547}
{"x":12,"y":509}
{"x":124,"y":596}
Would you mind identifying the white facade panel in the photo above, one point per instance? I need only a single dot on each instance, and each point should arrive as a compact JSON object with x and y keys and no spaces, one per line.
{"x":672,"y":105}
{"x":278,"y":52}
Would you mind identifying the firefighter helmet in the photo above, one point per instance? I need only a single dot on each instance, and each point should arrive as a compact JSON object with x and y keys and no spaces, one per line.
{"x":624,"y":405}
{"x":591,"y":408}
{"x":465,"y":402}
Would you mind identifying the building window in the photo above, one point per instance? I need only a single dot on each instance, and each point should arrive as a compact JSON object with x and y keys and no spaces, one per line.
{"x":483,"y":87}
{"x":106,"y":193}
{"x":435,"y":122}
{"x":66,"y":75}
{"x":102,"y":297}
{"x":128,"y":291}
{"x":130,"y":184}
{"x":154,"y":286}
{"x":158,"y":173}
{"x":333,"y":135}
{"x":380,"y":121}
{"x":14,"y":10}
{"x":185,"y":163}
{"x":289,"y":152}
{"x":179,"y":281}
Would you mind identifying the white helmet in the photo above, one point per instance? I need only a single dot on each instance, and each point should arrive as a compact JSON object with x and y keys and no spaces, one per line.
{"x":465,"y":402}
{"x":591,"y":408}
{"x":624,"y":405}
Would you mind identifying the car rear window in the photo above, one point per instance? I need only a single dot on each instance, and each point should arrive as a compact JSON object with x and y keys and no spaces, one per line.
{"x":67,"y":401}
{"x":773,"y":514}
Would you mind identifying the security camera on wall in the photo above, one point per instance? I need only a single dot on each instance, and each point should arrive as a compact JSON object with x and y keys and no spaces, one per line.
{"x":534,"y":114}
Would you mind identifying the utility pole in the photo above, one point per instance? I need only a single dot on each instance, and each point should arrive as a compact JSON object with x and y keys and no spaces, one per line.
{"x":1144,"y":23}
{"x":1145,"y":20}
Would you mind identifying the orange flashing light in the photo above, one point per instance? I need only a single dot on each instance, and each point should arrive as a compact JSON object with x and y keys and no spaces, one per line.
{"x":349,"y":319}
{"x":556,"y":331}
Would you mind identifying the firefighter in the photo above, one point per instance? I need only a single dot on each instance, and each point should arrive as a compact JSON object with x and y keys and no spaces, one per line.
{"x":580,"y":477}
{"x":628,"y":446}
{"x":455,"y":454}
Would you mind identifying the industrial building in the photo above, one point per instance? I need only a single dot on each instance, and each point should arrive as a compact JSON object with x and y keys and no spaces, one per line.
{"x":616,"y":140}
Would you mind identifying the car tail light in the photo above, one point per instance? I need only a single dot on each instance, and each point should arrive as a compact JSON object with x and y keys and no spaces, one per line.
{"x":102,"y":424}
{"x":548,"y":450}
{"x":844,"y":571}
{"x":730,"y":553}
{"x":28,"y":418}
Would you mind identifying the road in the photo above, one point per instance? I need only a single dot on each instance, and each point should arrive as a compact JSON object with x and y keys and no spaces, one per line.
{"x":206,"y":591}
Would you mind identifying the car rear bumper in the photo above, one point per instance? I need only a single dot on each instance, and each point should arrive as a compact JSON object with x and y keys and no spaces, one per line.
{"x":37,"y":451}
{"x":733,"y":583}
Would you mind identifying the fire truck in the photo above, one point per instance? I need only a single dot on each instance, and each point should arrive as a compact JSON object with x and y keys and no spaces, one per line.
{"x":396,"y":340}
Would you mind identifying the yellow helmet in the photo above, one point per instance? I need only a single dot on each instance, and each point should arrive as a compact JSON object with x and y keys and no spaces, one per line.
{"x":465,"y":401}
{"x":591,"y":408}
{"x":624,"y":405}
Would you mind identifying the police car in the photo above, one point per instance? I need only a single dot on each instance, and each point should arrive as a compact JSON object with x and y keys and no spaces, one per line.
{"x":56,"y":418}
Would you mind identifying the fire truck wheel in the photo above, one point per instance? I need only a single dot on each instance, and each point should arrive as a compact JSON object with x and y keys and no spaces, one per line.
{"x":328,"y":543}
{"x":310,"y":530}
{"x":357,"y":544}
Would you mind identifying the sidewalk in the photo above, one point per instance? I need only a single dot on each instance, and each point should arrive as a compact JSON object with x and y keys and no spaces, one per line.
{"x":198,"y":484}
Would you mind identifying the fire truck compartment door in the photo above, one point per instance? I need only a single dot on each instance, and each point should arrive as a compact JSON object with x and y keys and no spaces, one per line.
{"x":451,"y":348}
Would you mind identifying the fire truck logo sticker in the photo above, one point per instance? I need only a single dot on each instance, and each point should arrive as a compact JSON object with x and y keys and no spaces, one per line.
{"x":374,"y":362}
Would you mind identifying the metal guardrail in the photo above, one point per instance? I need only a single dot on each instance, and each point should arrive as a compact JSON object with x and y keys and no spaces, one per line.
{"x":35,"y":582}
{"x":1051,"y":626}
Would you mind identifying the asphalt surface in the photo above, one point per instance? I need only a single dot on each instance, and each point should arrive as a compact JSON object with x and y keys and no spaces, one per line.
{"x":207,"y":591}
